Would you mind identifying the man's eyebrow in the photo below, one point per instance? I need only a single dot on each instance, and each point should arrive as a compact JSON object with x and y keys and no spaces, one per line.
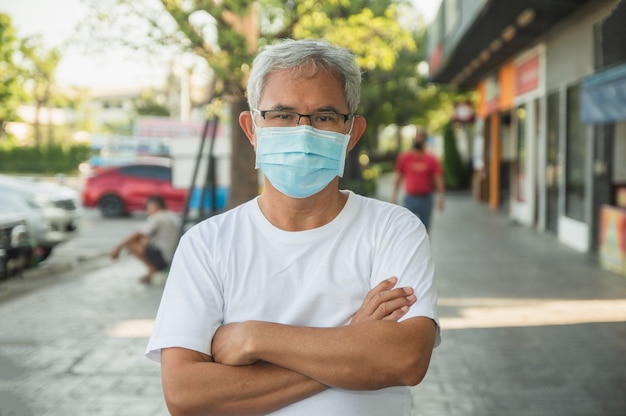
{"x":325,"y":108}
{"x":328,"y":108}
{"x":281,"y":107}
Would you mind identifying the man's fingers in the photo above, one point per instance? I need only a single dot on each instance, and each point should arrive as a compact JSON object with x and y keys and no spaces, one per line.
{"x":380,"y":302}
{"x":391,"y":306}
{"x":397,"y":314}
{"x":385,"y":302}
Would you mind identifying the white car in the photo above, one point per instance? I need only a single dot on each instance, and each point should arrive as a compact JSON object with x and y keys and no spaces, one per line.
{"x":15,"y":243}
{"x":53,"y":212}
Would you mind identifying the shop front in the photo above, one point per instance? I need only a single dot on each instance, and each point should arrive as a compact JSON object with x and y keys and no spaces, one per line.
{"x":495,"y":103}
{"x":603,"y":109}
{"x":529,"y":85}
{"x":603,"y":105}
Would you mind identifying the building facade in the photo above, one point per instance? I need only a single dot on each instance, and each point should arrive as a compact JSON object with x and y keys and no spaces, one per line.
{"x":551,"y":82}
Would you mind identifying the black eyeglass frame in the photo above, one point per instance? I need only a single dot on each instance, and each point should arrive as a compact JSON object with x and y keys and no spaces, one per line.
{"x":346,"y":117}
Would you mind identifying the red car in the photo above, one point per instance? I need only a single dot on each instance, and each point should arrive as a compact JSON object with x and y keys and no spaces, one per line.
{"x":121,"y":190}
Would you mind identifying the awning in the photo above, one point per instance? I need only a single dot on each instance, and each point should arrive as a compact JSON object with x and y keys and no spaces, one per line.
{"x":474,"y":53}
{"x":603,"y":96}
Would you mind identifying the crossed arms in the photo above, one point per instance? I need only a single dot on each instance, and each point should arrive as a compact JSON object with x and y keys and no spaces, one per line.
{"x":258,"y":367}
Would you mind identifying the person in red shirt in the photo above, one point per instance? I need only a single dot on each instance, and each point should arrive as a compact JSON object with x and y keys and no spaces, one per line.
{"x":422,"y":175}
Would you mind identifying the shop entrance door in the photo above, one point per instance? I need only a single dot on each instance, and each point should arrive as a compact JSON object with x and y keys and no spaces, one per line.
{"x":554,"y":164}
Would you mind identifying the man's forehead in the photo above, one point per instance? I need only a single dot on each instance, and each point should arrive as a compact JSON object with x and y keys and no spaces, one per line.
{"x":282,"y":90}
{"x":302,"y":72}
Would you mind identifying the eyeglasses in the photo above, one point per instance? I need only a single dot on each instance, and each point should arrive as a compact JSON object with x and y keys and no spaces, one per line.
{"x":324,"y":120}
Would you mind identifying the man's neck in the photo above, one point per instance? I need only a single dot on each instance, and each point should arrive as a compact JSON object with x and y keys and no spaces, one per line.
{"x":292,"y":214}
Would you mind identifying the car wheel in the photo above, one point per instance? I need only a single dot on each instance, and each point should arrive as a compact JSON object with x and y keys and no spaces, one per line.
{"x":111,"y":206}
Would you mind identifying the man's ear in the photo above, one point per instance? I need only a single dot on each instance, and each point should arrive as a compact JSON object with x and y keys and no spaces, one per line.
{"x":358,"y":128}
{"x":247,"y":125}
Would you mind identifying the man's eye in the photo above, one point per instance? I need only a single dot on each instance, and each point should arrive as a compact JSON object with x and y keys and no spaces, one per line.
{"x":283,"y":116}
{"x":325,"y":118}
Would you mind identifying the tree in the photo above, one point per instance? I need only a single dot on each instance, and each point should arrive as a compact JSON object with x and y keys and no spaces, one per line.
{"x":227,"y":35}
{"x":148,"y":105}
{"x":39,"y":66}
{"x":10,"y":86}
{"x":455,"y":172}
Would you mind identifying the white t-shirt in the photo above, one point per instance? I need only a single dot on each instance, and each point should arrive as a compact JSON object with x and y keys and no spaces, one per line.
{"x":237,"y":266}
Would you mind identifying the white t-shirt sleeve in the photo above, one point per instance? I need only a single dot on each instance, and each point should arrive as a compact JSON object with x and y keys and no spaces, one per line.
{"x":404,"y":252}
{"x":191,"y":309}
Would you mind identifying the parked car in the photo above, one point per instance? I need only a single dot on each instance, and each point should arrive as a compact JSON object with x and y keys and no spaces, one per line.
{"x":52,"y":211}
{"x":120,"y":190}
{"x":16,"y":252}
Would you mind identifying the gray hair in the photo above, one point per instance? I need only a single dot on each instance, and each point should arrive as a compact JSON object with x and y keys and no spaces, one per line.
{"x":297,"y":54}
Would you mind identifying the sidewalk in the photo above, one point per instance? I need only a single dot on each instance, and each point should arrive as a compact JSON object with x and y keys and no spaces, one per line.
{"x":530,"y":327}
{"x":76,"y":347}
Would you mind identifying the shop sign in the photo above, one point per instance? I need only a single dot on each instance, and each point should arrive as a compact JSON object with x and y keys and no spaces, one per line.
{"x":613,"y":239}
{"x":527,"y":75}
{"x":434,"y":60}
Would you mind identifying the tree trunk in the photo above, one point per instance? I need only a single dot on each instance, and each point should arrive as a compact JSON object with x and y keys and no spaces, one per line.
{"x":37,"y":124}
{"x":399,"y":140}
{"x":244,"y":183}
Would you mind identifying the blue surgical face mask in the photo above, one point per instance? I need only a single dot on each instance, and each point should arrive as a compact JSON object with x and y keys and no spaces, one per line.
{"x":300,"y":161}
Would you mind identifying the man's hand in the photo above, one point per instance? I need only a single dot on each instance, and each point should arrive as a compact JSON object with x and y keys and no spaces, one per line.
{"x":440,"y":202}
{"x":385,"y":303}
{"x":229,"y":344}
{"x":116,"y":252}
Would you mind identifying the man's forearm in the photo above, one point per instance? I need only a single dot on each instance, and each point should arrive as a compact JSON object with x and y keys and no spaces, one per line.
{"x":193,"y":385}
{"x":367,"y":356}
{"x":440,"y":185}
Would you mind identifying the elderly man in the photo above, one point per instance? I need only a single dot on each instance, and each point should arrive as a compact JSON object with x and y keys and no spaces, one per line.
{"x":307,"y":300}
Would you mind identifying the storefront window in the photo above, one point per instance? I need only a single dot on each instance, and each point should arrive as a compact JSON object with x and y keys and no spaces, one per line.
{"x":521,"y":154}
{"x":575,"y":158}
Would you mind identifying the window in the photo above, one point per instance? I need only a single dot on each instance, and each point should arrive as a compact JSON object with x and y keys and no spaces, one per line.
{"x":575,"y":147}
{"x":148,"y":172}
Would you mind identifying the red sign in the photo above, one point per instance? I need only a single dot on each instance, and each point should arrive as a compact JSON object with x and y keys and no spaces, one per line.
{"x":527,"y":75}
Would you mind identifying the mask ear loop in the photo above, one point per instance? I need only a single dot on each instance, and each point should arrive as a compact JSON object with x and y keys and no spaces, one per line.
{"x":252,"y":113}
{"x":351,"y":124}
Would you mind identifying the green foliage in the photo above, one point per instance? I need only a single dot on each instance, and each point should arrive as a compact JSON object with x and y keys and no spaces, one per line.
{"x":455,"y":172}
{"x":148,"y":105}
{"x":51,"y":159}
{"x":11,"y":91}
{"x":39,"y":65}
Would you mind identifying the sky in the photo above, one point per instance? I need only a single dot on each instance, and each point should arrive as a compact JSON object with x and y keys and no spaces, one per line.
{"x":55,"y":21}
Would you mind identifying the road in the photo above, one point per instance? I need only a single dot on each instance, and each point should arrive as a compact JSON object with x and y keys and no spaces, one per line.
{"x":86,"y":251}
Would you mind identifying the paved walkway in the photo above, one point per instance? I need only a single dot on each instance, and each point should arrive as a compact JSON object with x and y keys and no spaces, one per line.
{"x":75,"y":347}
{"x":530,"y":328}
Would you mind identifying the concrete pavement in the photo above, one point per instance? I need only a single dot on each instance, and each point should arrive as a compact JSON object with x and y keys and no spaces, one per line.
{"x":530,"y":327}
{"x":75,"y":347}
